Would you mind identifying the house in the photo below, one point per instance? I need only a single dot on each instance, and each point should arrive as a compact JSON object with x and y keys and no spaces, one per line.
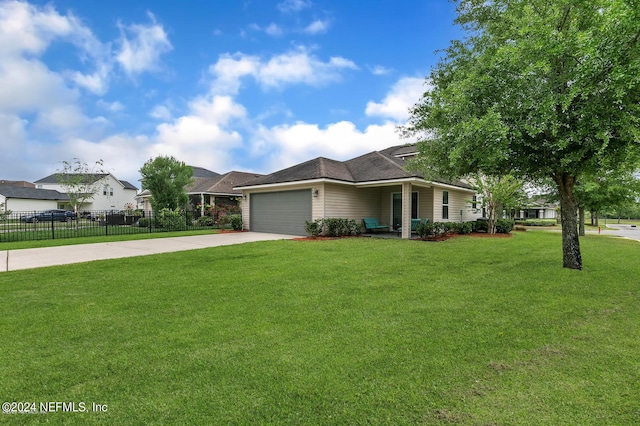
{"x":218,"y":190}
{"x":113,"y":194}
{"x":208,"y":189}
{"x":538,"y":208}
{"x":28,"y":199}
{"x":376,"y":184}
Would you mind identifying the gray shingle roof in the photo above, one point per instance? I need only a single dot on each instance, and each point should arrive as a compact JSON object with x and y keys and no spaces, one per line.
{"x":53,"y":179}
{"x":384,"y":165}
{"x":313,"y":169}
{"x":32,"y":193}
{"x":223,"y":184}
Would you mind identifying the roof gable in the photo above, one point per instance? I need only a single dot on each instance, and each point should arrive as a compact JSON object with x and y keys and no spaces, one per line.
{"x":313,"y":169}
{"x":224,"y":184}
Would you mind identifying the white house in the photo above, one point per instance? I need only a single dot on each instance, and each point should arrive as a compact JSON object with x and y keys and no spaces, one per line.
{"x":28,"y":199}
{"x":113,"y":194}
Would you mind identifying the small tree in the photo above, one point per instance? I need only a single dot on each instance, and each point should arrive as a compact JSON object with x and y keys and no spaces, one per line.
{"x":4,"y":213}
{"x":166,"y":179}
{"x":498,"y":193}
{"x":80,"y":181}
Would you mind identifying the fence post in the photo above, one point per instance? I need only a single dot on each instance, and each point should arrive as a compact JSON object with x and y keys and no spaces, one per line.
{"x":53,"y":228}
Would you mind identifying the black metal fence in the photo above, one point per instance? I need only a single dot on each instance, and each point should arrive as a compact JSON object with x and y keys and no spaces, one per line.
{"x":46,"y":225}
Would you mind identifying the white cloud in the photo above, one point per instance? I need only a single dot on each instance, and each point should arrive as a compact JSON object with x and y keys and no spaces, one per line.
{"x":286,"y":145}
{"x":142,"y":50}
{"x":291,"y":6}
{"x":298,"y":66}
{"x":380,"y":70}
{"x":317,"y":27}
{"x":274,"y":30}
{"x":395,"y":106}
{"x":110,"y":106}
{"x":205,"y":134}
{"x":161,"y":112}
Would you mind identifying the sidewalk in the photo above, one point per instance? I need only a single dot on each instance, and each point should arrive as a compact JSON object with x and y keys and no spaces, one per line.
{"x":13,"y":260}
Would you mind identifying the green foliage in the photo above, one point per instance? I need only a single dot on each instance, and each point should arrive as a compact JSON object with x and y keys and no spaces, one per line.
{"x":465,"y":228}
{"x":481,"y":225}
{"x":4,"y":213}
{"x":204,"y":221}
{"x":236,"y":222}
{"x":166,"y":179}
{"x":425,"y":230}
{"x":145,"y":222}
{"x":169,"y":219}
{"x":333,"y":227}
{"x":80,"y":181}
{"x":504,"y":226}
{"x":533,"y":222}
{"x":314,"y":228}
{"x":538,"y":90}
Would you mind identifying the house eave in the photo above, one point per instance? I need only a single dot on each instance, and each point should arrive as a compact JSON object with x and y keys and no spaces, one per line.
{"x":292,"y":183}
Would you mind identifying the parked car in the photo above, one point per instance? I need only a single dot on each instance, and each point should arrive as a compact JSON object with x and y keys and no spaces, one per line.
{"x":57,"y":215}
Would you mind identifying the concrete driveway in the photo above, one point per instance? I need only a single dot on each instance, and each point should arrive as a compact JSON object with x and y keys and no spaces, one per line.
{"x":13,"y":260}
{"x":626,"y":231}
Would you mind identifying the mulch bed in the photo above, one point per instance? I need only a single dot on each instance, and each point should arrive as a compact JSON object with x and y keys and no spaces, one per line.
{"x":440,"y":237}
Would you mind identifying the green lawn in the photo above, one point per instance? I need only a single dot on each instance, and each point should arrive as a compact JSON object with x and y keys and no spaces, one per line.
{"x":15,"y":245}
{"x":353,"y":331}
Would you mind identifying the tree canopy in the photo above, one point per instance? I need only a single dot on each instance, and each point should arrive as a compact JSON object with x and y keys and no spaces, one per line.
{"x":166,"y":179}
{"x":80,"y":180}
{"x":538,"y":89}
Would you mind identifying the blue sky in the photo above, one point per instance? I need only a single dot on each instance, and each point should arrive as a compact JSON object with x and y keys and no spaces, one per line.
{"x":226,"y":85}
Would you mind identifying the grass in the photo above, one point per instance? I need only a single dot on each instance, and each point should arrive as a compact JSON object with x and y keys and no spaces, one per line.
{"x":15,"y":245}
{"x":351,"y":331}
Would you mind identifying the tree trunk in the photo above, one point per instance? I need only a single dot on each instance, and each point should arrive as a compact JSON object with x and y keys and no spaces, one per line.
{"x":597,"y":219}
{"x":571,"y":257}
{"x":581,"y":219}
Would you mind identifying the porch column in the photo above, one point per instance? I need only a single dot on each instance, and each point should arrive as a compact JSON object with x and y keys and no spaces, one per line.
{"x":201,"y":204}
{"x":406,"y":210}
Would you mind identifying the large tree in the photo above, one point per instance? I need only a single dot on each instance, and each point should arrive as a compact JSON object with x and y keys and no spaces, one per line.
{"x":166,"y":179}
{"x":538,"y":89}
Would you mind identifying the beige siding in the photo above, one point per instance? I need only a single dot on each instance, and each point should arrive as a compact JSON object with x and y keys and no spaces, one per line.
{"x":346,"y":201}
{"x":458,"y":201}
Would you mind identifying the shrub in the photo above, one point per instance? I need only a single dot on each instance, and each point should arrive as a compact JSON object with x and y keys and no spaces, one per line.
{"x":425,"y":230}
{"x":465,"y":228}
{"x":504,"y":226}
{"x":236,"y":222}
{"x":332,"y":227}
{"x":313,"y":229}
{"x":204,"y":221}
{"x":449,"y":227}
{"x":171,"y":219}
{"x":481,"y":225}
{"x":144,"y":222}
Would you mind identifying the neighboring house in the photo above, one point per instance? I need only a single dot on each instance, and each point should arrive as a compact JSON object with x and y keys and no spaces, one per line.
{"x":208,"y":189}
{"x":113,"y":194}
{"x":538,"y":208}
{"x":372,"y":185}
{"x":26,"y":199}
{"x":218,"y":190}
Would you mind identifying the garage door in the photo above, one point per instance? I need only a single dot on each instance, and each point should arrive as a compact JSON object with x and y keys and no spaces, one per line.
{"x":283,"y":212}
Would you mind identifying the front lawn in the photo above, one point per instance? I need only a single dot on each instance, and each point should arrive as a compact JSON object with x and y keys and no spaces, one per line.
{"x":351,"y":331}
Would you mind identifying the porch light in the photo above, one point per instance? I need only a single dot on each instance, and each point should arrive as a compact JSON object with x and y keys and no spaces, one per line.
{"x":315,"y":192}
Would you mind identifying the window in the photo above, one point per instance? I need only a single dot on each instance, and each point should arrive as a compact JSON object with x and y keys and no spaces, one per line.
{"x":474,"y":202}
{"x":104,"y":189}
{"x":445,"y":204}
{"x":111,"y":191}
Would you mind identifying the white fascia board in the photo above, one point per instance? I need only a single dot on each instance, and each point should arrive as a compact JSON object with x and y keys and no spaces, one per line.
{"x":393,"y":182}
{"x":293,"y":183}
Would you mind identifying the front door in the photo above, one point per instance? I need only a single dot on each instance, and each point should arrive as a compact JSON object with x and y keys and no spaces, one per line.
{"x":396,"y":208}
